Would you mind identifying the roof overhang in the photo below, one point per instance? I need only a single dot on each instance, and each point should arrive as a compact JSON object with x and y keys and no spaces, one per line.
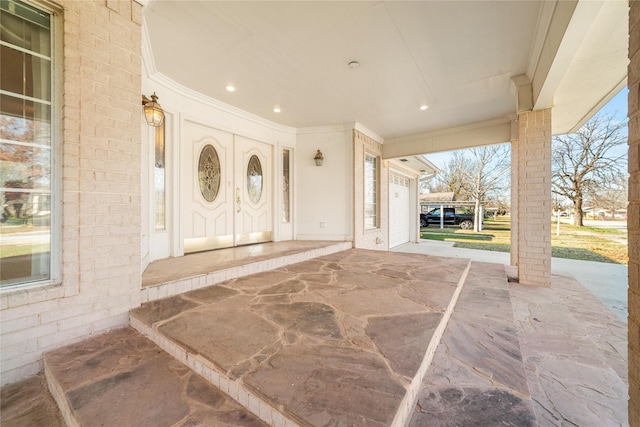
{"x":475,"y":64}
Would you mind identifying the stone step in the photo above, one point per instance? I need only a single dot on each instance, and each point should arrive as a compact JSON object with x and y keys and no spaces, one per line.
{"x":29,"y":403}
{"x":343,"y":339}
{"x":123,"y":379}
{"x":380,"y":366}
{"x":176,"y":275}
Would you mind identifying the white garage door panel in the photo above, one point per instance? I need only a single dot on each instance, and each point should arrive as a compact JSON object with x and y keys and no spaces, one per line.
{"x":399,"y":210}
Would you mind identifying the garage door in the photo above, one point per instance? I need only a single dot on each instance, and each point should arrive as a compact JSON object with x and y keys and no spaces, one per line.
{"x":399,"y":210}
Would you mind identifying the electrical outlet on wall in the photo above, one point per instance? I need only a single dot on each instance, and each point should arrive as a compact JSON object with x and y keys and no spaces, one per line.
{"x":322,"y":225}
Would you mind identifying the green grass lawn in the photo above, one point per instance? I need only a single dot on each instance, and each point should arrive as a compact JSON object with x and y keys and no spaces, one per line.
{"x":582,"y":243}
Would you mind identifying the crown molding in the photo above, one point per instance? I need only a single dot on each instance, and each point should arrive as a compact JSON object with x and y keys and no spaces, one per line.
{"x":196,"y":96}
{"x":323,"y":129}
{"x":371,"y":134}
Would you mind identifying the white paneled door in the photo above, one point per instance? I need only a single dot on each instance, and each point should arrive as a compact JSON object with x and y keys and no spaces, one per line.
{"x":253,"y":204}
{"x":399,"y":210}
{"x":226,"y":189}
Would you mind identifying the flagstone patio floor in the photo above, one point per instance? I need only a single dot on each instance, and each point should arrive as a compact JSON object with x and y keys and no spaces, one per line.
{"x":357,"y":337}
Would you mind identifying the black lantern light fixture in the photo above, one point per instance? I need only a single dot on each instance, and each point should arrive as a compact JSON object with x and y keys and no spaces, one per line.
{"x":153,"y":112}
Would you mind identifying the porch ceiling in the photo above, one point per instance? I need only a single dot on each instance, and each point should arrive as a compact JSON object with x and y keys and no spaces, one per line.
{"x":456,"y":57}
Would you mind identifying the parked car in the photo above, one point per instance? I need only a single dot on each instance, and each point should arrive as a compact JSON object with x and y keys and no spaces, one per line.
{"x":465,"y":221}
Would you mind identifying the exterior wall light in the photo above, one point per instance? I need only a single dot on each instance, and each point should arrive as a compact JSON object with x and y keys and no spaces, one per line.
{"x":318,"y":158}
{"x":153,"y":112}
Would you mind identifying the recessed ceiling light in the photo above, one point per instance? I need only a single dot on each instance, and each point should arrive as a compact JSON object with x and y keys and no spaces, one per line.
{"x":276,"y":109}
{"x":423,"y":107}
{"x":354,"y":64}
{"x":231,"y":88}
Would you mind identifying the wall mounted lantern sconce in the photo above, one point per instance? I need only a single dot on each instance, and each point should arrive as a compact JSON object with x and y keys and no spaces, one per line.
{"x":152,"y":110}
{"x":318,"y":158}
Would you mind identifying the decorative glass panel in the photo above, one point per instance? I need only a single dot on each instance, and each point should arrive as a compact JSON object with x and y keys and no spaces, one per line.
{"x":159,"y":176}
{"x":370,"y":191}
{"x":286,"y":195}
{"x":254,"y":179}
{"x":209,"y":173}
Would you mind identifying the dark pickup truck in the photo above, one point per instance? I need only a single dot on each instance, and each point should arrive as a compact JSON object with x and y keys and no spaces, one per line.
{"x":465,"y":221}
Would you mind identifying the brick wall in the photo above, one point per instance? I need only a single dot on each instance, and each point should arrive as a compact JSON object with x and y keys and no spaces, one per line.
{"x":374,"y":238}
{"x":633,"y":220}
{"x":101,"y":194}
{"x":534,"y":197}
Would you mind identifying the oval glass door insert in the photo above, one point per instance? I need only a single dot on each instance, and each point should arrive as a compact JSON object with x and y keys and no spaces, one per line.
{"x":254,"y":179}
{"x":209,"y":173}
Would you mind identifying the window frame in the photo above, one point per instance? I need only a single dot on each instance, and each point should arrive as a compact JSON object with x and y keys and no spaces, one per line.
{"x":56,"y":162}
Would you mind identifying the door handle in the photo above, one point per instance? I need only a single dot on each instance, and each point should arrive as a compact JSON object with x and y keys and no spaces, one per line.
{"x":238,"y":202}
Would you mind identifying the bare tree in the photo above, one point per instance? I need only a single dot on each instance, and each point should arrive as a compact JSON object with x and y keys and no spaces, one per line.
{"x":453,"y":176}
{"x":477,"y":174}
{"x":612,"y":194}
{"x":489,"y":175}
{"x":582,"y":161}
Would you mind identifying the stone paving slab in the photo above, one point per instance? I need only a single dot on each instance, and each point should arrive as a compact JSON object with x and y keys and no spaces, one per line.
{"x":560,"y":345}
{"x":28,"y":403}
{"x":337,"y":340}
{"x":573,"y":351}
{"x":478,"y":377}
{"x":123,"y":379}
{"x":575,"y":356}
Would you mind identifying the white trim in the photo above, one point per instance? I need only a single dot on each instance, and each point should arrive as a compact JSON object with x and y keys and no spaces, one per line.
{"x":371,"y":134}
{"x":57,"y":141}
{"x":452,"y":130}
{"x":193,"y":95}
{"x":330,"y":237}
{"x":395,"y":169}
{"x":341,"y":128}
{"x":177,"y":228}
{"x":496,"y":131}
{"x":542,"y":28}
{"x":323,"y":129}
{"x":148,"y":61}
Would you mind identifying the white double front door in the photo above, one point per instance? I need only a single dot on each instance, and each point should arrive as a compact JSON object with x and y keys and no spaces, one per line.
{"x":227,"y":189}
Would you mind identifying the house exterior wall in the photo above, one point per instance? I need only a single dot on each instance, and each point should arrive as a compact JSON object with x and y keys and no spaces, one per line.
{"x":375,"y":238}
{"x":324,"y":193}
{"x":100,"y":191}
{"x":183,"y":108}
{"x":633,"y":219}
{"x":533,"y":192}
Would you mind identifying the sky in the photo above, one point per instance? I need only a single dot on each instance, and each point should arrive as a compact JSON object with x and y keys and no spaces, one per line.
{"x":617,"y":107}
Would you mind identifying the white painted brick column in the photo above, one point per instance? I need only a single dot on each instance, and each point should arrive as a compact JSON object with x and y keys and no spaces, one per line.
{"x":532,"y":191}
